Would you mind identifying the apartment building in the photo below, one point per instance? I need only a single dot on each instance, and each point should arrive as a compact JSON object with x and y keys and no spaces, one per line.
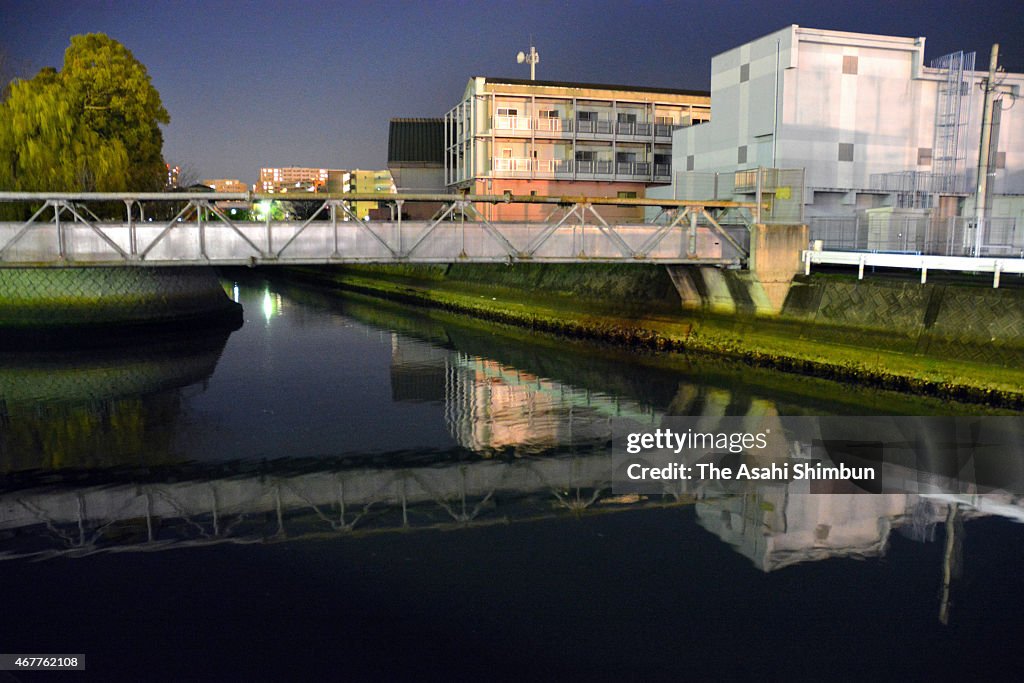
{"x":369,"y":182}
{"x":292,"y":179}
{"x":557,"y":138}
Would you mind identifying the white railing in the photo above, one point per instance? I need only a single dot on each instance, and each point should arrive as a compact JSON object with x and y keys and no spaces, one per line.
{"x":513,"y":123}
{"x":515,"y":164}
{"x":553,"y":125}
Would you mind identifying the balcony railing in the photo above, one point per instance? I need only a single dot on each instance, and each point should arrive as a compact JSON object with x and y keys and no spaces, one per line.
{"x":525,"y":124}
{"x":553,"y":125}
{"x":604,"y":127}
{"x":515,"y":123}
{"x":633,"y":128}
{"x":639,"y":170}
{"x":515,"y":165}
{"x":633,"y":168}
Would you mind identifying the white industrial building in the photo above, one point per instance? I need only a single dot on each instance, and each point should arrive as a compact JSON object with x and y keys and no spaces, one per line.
{"x":879,"y":134}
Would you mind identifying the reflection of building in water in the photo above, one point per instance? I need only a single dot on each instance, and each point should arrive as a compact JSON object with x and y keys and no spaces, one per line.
{"x":491,"y":406}
{"x":775,"y":527}
{"x":419,"y":371}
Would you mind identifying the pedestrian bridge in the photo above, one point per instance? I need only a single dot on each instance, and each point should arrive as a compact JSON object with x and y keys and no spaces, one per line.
{"x":65,"y":229}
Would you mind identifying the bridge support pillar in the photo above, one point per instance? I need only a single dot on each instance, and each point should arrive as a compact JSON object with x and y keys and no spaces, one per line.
{"x":774,"y":261}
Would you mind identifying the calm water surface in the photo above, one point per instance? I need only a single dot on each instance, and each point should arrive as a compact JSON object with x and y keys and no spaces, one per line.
{"x":344,"y":490}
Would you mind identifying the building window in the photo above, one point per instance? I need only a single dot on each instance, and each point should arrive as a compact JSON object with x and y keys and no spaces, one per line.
{"x":584,"y":155}
{"x":741,"y":155}
{"x":627,"y":118}
{"x":627,"y":195}
{"x":924,"y":156}
{"x":587,"y":115}
{"x":744,"y":73}
{"x":507,"y":111}
{"x":845,"y":151}
{"x":548,"y":114}
{"x":663,"y":120}
{"x":689,"y":162}
{"x":849,"y":64}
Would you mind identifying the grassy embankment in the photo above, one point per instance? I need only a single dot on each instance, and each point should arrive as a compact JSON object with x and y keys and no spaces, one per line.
{"x":637,"y":306}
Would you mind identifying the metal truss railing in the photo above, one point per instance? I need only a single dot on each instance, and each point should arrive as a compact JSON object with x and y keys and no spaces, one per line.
{"x":64,"y":230}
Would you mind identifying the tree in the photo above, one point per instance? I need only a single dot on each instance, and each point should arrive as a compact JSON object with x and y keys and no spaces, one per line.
{"x":93,"y":126}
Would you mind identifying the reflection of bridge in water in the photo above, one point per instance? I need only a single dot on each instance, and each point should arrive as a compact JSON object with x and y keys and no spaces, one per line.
{"x":531,"y":447}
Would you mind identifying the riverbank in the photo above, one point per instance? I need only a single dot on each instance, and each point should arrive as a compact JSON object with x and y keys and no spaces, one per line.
{"x":637,"y":306}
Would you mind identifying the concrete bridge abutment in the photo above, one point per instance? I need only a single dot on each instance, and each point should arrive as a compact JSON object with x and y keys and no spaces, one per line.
{"x":761,"y":290}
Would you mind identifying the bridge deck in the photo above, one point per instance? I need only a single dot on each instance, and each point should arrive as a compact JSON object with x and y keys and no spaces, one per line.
{"x":65,"y":232}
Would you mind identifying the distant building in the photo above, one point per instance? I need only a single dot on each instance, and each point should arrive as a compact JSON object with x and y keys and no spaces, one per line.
{"x":369,"y":182}
{"x":875,"y":128}
{"x":226,"y":185}
{"x":555,"y":138}
{"x":296,"y":180}
{"x":416,"y":155}
{"x":416,"y":162}
{"x":172,"y":177}
{"x":292,"y":179}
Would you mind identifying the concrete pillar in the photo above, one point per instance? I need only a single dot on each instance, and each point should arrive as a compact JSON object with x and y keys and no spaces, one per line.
{"x":682,"y":278}
{"x":774,"y":260}
{"x":719,"y":296}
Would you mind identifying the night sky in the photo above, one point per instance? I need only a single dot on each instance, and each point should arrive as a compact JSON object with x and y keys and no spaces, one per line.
{"x":252,"y":84}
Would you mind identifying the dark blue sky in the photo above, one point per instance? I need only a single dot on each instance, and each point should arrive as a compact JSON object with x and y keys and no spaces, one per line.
{"x":252,"y":84}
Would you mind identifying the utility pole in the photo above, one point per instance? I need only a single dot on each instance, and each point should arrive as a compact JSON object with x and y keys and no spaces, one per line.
{"x":984,"y":162}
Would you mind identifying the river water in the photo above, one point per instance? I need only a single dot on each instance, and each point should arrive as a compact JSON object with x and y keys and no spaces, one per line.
{"x":343,"y":489}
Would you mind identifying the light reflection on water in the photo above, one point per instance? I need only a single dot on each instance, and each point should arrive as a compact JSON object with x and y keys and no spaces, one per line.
{"x":322,"y":417}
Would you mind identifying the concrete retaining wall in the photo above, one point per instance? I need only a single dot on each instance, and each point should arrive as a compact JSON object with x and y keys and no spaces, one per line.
{"x":63,"y":297}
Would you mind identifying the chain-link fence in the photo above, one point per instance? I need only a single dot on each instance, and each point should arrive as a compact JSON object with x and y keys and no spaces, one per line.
{"x":949,"y":236}
{"x":781,"y":189}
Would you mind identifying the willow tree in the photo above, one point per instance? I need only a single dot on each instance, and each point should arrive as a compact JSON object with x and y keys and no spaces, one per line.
{"x":92,"y":126}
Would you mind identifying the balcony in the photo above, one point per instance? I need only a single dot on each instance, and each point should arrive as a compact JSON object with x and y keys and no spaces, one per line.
{"x":512,"y":125}
{"x":558,"y":127}
{"x":664,"y":130}
{"x":553,"y":168}
{"x":592,"y":127}
{"x":634,"y":129}
{"x":512,"y":167}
